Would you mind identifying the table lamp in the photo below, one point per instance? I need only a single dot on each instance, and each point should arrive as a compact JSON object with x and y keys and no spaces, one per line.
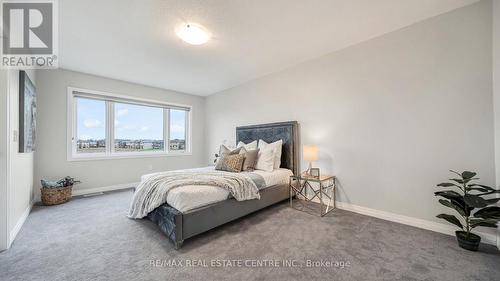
{"x":310,"y":153}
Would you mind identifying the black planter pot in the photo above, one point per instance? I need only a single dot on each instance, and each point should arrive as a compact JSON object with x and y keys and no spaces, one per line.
{"x":470,"y":242}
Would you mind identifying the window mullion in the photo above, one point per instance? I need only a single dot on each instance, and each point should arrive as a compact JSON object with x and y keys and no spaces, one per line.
{"x":166,"y":129}
{"x":187,"y":136}
{"x":74,"y":126}
{"x":110,"y":117}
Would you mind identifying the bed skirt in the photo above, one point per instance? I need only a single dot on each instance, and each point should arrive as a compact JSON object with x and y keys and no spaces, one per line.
{"x":169,"y":220}
{"x":179,"y":226}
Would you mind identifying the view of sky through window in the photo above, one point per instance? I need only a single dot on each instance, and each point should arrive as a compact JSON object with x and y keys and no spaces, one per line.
{"x":136,"y":127}
{"x":177,"y":129}
{"x":91,"y":125}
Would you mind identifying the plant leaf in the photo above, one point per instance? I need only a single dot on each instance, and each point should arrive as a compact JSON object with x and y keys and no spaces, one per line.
{"x":456,"y":198}
{"x":455,"y":172}
{"x":453,"y":205}
{"x":460,"y":181}
{"x":485,"y":223}
{"x":446,"y":184}
{"x":483,"y":186}
{"x":492,"y":200}
{"x":451,"y":219}
{"x":448,"y":194}
{"x":477,"y":189}
{"x":488,"y":213}
{"x":467,"y":175}
{"x":475,"y":220}
{"x":490,"y":192}
{"x":460,"y":202}
{"x":475,"y":201}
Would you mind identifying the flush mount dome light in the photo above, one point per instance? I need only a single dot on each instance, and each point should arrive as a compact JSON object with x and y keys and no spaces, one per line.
{"x":193,"y":34}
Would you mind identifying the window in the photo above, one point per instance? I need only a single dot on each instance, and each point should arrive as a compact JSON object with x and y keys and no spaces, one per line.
{"x":90,"y":126}
{"x":138,"y":128}
{"x":104,"y":125}
{"x":177,"y":140}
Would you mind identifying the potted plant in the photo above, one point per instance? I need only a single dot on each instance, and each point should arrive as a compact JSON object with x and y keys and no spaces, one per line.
{"x":465,"y":198}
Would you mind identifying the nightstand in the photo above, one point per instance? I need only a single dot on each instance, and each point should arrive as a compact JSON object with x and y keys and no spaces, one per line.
{"x":325,"y":190}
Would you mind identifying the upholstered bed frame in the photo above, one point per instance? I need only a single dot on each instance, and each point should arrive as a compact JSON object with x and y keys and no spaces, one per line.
{"x":180,"y":226}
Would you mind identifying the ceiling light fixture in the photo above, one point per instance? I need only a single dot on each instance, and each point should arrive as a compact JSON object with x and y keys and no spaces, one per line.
{"x":193,"y":34}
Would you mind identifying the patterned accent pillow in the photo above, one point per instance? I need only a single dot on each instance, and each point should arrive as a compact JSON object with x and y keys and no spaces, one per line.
{"x":230,"y":163}
{"x":223,"y":150}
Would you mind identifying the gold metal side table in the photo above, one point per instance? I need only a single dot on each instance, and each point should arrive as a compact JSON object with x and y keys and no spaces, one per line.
{"x":299,"y":185}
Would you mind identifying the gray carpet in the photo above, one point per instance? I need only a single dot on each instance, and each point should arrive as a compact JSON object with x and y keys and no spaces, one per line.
{"x":91,"y":239}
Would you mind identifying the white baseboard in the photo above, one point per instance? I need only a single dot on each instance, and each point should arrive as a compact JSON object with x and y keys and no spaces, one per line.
{"x":487,"y":238}
{"x":20,"y":223}
{"x":498,"y":237}
{"x":85,"y":191}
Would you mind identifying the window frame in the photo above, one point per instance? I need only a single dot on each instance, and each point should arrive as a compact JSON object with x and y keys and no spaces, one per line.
{"x":110,"y":99}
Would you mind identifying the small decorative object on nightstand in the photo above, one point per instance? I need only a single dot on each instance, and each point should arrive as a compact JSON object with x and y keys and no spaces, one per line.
{"x":310,"y":153}
{"x":299,"y":185}
{"x":315,"y":172}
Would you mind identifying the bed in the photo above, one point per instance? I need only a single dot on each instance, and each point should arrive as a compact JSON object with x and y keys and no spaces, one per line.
{"x":180,"y":221}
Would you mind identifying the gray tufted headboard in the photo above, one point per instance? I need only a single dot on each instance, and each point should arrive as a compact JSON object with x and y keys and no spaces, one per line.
{"x":286,"y":131}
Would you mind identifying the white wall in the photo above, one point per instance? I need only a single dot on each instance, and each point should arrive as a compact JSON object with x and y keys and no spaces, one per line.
{"x":391,"y":115}
{"x":496,"y":90}
{"x":51,"y":161}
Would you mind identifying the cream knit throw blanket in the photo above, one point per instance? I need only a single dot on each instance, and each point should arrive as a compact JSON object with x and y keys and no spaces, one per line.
{"x":152,"y":191}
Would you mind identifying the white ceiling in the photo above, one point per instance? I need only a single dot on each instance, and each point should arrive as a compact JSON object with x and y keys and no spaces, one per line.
{"x":135,"y":40}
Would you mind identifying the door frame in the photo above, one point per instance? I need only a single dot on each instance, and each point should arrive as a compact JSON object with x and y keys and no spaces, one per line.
{"x":5,"y":135}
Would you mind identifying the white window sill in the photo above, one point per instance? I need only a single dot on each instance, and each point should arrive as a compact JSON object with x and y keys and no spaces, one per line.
{"x":76,"y":158}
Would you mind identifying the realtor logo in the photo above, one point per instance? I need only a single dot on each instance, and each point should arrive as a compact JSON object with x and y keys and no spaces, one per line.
{"x":29,"y":34}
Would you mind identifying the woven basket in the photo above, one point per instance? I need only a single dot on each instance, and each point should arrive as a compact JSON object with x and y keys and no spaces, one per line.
{"x":54,"y":196}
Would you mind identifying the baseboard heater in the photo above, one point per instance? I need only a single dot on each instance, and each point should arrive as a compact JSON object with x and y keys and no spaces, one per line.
{"x":93,"y":194}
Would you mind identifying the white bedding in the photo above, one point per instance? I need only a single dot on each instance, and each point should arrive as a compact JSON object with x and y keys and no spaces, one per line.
{"x":190,"y":197}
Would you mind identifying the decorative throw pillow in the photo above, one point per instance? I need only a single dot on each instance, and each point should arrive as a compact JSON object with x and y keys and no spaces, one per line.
{"x":250,"y":159}
{"x":248,"y":146}
{"x":230,"y":163}
{"x":265,"y":160}
{"x":225,"y":150}
{"x":276,"y":147}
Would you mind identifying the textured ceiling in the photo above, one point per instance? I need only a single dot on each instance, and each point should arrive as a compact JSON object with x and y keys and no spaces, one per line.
{"x":135,"y":40}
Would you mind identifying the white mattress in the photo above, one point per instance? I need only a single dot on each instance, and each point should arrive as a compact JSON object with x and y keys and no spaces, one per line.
{"x":190,"y":197}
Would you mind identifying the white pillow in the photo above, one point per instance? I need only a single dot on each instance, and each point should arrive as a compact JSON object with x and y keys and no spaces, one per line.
{"x":248,"y":146}
{"x":265,"y":160}
{"x":276,"y":147}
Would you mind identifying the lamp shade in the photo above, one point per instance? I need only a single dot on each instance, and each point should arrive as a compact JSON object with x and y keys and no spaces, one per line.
{"x":310,"y":153}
